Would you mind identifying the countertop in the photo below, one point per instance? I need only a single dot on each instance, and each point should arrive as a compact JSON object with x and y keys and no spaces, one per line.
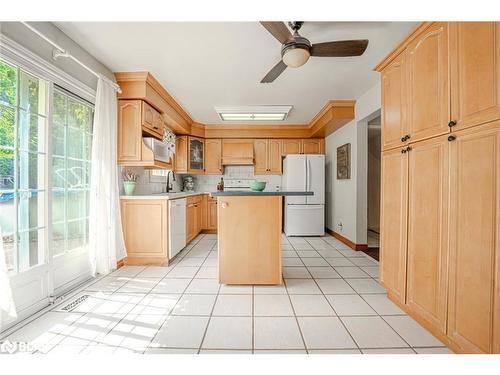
{"x":242,"y":193}
{"x":166,"y":196}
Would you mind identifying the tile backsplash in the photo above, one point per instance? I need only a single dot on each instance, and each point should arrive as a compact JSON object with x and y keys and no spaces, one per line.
{"x":147,"y":183}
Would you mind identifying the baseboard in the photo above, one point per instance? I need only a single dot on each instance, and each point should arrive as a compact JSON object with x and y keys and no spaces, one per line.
{"x":209,"y":231}
{"x":352,"y":245}
{"x":120,"y":263}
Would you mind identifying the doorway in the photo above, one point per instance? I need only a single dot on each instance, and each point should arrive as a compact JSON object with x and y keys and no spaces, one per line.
{"x":373,"y":188}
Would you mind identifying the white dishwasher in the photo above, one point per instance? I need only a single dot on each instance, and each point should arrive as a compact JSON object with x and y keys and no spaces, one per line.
{"x":176,"y":226}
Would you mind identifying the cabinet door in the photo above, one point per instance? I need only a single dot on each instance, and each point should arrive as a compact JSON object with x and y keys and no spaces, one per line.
{"x":274,"y":156}
{"x":474,"y":235}
{"x":394,"y":103}
{"x":181,"y":154}
{"x":312,"y":146}
{"x":475,"y":73}
{"x":213,"y":156}
{"x":190,"y":222}
{"x":158,"y":124}
{"x":393,"y":221}
{"x":212,"y":214}
{"x":292,"y":146}
{"x":260,"y":156}
{"x":429,"y":108}
{"x":129,"y":131}
{"x":151,"y":119}
{"x":196,"y":155}
{"x":428,"y":179}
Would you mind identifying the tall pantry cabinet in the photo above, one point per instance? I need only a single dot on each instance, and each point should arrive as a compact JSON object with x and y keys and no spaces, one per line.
{"x":440,"y":188}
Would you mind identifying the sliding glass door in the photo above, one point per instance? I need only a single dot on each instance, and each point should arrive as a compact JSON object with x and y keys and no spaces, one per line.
{"x":45,"y":143}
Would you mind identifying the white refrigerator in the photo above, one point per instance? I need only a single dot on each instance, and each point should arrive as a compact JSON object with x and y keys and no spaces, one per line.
{"x":304,"y":215}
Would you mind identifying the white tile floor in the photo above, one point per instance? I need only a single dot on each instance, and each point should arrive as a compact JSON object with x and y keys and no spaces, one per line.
{"x":330,"y":302}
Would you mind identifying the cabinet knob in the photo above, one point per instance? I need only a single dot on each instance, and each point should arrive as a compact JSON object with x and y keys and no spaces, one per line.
{"x":452,"y":123}
{"x":403,"y":139}
{"x":408,"y":149}
{"x":451,"y":138}
{"x":223,"y":204}
{"x":403,"y":151}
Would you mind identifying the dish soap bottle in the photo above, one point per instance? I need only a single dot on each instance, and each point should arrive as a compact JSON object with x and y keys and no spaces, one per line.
{"x":222,"y":184}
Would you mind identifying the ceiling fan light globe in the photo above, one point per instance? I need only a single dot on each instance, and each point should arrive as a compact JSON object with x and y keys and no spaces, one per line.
{"x":295,"y":57}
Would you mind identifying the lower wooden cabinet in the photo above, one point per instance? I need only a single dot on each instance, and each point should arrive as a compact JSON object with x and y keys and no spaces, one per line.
{"x":440,"y":230}
{"x":427,"y":249}
{"x":212,"y":214}
{"x":393,"y":220}
{"x":145,"y":230}
{"x":474,"y":279}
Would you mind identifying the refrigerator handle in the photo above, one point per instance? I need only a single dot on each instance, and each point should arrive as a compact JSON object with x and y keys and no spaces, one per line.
{"x":307,"y":172}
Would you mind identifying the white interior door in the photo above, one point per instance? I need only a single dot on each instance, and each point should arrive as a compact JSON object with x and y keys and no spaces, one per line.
{"x":316,"y":179}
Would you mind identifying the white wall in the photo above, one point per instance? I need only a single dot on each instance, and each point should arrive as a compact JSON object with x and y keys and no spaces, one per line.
{"x":346,"y":200}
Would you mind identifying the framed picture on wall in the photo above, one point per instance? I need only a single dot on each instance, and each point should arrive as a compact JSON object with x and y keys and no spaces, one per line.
{"x":344,"y":162}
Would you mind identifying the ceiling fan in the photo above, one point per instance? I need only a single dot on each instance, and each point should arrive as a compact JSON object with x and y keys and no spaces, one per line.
{"x":296,"y":50}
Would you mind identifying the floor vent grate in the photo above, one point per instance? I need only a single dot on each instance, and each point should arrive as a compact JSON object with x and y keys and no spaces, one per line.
{"x":74,"y":304}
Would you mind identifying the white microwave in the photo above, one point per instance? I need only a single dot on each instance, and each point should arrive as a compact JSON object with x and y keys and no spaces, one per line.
{"x":160,"y":150}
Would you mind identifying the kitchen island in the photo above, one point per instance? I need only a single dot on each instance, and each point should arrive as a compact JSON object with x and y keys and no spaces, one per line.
{"x":249,"y":236}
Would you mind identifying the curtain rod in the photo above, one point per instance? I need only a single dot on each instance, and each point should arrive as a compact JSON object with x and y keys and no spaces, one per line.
{"x":61,"y":52}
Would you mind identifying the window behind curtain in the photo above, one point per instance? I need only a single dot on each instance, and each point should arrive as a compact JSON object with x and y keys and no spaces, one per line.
{"x":24,"y":157}
{"x":71,"y":152}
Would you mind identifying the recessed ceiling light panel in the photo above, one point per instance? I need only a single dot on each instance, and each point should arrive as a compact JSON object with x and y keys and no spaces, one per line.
{"x":261,"y":113}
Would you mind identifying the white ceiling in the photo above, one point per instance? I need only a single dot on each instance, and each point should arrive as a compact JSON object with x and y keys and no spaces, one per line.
{"x":203,"y":65}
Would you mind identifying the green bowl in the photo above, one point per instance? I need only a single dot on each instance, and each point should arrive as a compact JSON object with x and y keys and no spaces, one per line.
{"x":257,"y":185}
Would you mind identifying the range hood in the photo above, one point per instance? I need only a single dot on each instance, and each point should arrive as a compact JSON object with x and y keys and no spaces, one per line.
{"x":237,"y":152}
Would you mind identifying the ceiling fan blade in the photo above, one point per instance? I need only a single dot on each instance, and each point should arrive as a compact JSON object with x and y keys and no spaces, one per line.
{"x":339,"y":49}
{"x":278,"y":30}
{"x":274,"y":72}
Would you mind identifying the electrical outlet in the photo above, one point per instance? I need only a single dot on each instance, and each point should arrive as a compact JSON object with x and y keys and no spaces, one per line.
{"x":340,"y":225}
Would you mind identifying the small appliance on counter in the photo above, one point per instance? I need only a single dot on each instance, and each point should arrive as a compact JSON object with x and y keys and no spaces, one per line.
{"x":188,"y":183}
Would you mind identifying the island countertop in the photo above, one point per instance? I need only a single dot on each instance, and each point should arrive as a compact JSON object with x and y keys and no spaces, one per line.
{"x":249,"y":193}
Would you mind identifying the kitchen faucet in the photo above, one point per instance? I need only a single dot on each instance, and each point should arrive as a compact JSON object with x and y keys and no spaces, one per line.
{"x":168,"y":180}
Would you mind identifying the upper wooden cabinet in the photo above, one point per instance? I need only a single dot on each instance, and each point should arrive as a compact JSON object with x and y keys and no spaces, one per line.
{"x":475,"y":73}
{"x":267,"y":156}
{"x":135,"y":119}
{"x":237,"y":152}
{"x":428,"y":83}
{"x":394,"y":103}
{"x":213,"y":156}
{"x":189,"y":155}
{"x":152,"y":120}
{"x":313,"y":146}
{"x":393,"y":222}
{"x":303,"y":146}
{"x":474,"y":293}
{"x":292,"y":146}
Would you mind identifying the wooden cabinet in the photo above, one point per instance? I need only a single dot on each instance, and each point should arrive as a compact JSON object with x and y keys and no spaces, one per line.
{"x":475,"y":73}
{"x":474,"y":294}
{"x":135,"y":118}
{"x":145,"y":230}
{"x":267,"y":156}
{"x":194,"y":216}
{"x":394,"y":104}
{"x":303,"y":146}
{"x":189,"y":155}
{"x":291,"y":146}
{"x":212,"y":214}
{"x":237,"y":152}
{"x":213,"y":156}
{"x":427,"y":252}
{"x":393,"y":222}
{"x":181,"y":154}
{"x":129,"y":131}
{"x":428,"y":83}
{"x":152,"y":120}
{"x":313,"y":146}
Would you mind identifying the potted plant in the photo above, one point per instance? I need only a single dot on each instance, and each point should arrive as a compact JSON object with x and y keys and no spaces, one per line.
{"x":129,"y":181}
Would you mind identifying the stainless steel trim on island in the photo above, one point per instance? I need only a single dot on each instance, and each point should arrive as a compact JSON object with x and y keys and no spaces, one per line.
{"x":249,"y":236}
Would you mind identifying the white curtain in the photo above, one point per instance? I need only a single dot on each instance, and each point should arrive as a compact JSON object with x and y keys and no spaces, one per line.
{"x":105,"y":229}
{"x":7,"y":307}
